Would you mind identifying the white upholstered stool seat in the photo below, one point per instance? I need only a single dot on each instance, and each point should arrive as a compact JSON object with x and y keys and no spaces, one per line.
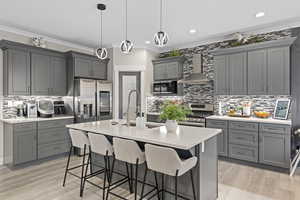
{"x":100,"y":144}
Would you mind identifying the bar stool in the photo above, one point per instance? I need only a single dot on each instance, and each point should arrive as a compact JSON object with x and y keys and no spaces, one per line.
{"x":100,"y":145}
{"x":80,"y":140}
{"x":129,"y":152}
{"x":167,"y":162}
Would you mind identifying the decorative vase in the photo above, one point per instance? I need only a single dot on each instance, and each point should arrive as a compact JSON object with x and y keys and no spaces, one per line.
{"x":171,"y":126}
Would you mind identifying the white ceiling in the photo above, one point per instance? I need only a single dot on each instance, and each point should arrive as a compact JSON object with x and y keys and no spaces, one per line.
{"x":77,"y":21}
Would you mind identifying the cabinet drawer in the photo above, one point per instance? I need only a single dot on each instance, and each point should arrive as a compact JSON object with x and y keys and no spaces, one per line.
{"x":216,"y":124}
{"x":52,"y":149}
{"x":243,"y":126}
{"x":25,"y":126}
{"x":243,"y":137}
{"x":275,"y":128}
{"x":54,"y":123}
{"x":243,"y":152}
{"x":53,"y":135}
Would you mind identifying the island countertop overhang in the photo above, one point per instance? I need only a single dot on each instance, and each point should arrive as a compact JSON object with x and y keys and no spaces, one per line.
{"x":185,"y":138}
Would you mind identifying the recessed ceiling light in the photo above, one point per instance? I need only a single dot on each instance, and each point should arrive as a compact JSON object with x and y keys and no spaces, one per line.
{"x":193,"y":31}
{"x":259,"y":14}
{"x":147,"y":42}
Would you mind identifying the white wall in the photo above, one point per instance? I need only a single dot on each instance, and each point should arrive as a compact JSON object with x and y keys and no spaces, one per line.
{"x":140,"y":60}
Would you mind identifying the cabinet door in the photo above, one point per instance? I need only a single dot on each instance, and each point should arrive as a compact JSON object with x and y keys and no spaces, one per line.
{"x":257,"y":72}
{"x":25,"y":146}
{"x":238,"y":73}
{"x":279,"y":71}
{"x":41,"y":74}
{"x":273,"y":149}
{"x":159,"y":72}
{"x":18,"y":68}
{"x":83,"y":68}
{"x":99,"y":70}
{"x":172,"y":70}
{"x":222,"y":139}
{"x":221,"y":75}
{"x":59,"y":76}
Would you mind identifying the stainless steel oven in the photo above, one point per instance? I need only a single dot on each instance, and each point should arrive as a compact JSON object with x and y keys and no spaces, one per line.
{"x":164,"y":87}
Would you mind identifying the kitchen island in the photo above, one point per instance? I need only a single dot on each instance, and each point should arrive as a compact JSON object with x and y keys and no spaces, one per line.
{"x":201,"y":141}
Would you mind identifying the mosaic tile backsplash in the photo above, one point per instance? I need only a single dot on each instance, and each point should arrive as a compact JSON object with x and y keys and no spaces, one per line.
{"x":205,"y":93}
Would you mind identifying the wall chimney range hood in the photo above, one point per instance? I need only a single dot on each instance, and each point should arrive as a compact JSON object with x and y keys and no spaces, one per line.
{"x":197,"y":76}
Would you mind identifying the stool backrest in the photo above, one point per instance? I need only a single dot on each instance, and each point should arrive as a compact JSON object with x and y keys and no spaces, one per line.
{"x":127,"y":151}
{"x":100,"y":144}
{"x":162,"y":159}
{"x":79,"y":138}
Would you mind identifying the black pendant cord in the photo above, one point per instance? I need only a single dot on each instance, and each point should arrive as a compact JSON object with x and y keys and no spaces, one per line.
{"x":126,"y":19}
{"x":161,"y":5}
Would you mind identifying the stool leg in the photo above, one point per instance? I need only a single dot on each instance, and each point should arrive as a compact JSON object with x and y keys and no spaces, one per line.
{"x":90,"y":156}
{"x":85,"y":174}
{"x":176,"y":185}
{"x":111,"y":173}
{"x":144,"y":180}
{"x":193,"y":184}
{"x":105,"y":175}
{"x":162,"y":186}
{"x":157,"y":188}
{"x":67,"y":167}
{"x":82,"y":170}
{"x":108,"y":168}
{"x":136,"y":178}
{"x":131,"y":177}
{"x":129,"y":180}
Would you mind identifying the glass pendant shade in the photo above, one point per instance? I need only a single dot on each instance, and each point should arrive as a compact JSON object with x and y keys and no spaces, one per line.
{"x":161,"y":39}
{"x":126,"y":46}
{"x":101,"y":53}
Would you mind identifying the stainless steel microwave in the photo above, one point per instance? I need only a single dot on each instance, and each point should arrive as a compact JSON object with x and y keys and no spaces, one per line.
{"x":164,"y":88}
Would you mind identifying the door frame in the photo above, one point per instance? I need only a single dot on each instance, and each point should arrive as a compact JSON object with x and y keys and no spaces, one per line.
{"x":138,"y":86}
{"x":127,"y":68}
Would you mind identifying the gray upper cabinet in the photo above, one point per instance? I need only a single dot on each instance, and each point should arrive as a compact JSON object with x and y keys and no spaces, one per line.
{"x":17,"y":72}
{"x":257,"y":72}
{"x":41,"y":74}
{"x":279,"y":71}
{"x":99,"y":69}
{"x":170,"y":68}
{"x":32,"y":70}
{"x":59,"y":74}
{"x":221,"y":75}
{"x":256,"y":69}
{"x":237,"y":79}
{"x":86,"y":66}
{"x":83,"y":67}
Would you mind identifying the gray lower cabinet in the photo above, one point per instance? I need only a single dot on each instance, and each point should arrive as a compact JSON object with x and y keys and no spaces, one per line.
{"x":279,"y":71}
{"x":262,"y":143}
{"x":237,"y":64}
{"x":222,"y":139}
{"x":257,"y":72}
{"x":16,"y":72}
{"x":25,"y":142}
{"x":274,"y":145}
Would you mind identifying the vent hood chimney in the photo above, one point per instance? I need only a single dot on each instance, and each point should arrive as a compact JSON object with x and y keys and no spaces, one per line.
{"x":197,"y":76}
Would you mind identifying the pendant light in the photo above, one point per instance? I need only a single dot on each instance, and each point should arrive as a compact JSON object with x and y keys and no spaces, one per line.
{"x":126,"y":45}
{"x":101,"y":52}
{"x":161,"y":38}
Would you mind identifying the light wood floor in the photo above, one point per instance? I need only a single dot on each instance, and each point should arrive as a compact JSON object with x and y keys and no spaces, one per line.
{"x":236,"y":182}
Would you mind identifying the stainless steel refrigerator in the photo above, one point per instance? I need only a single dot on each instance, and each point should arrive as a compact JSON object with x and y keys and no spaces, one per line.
{"x":92,"y":100}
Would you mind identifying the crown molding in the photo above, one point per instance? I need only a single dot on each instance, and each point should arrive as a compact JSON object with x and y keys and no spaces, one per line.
{"x":46,"y":38}
{"x":264,"y":28}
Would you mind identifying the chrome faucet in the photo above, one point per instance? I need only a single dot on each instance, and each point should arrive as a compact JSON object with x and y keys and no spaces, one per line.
{"x":138,"y":107}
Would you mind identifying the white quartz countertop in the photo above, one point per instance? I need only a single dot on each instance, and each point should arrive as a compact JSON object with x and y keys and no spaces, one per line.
{"x":37,"y":119}
{"x":251,"y":119}
{"x":185,"y":137}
